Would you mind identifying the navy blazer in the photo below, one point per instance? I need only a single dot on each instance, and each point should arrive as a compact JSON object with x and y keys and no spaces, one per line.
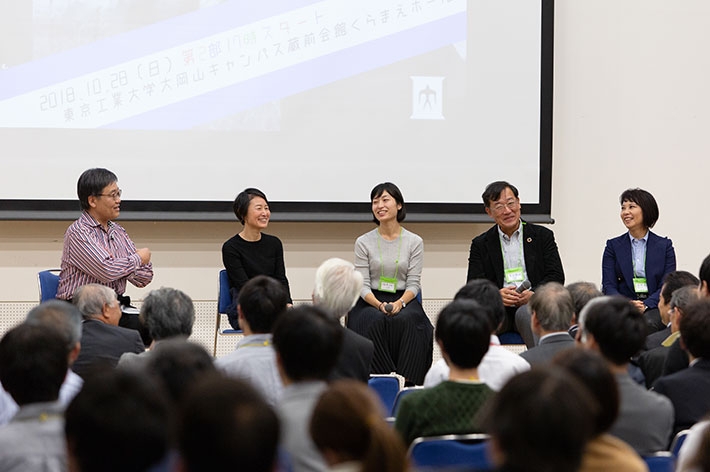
{"x":618,"y":269}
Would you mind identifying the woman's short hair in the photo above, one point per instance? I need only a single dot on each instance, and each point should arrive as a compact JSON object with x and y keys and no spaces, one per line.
{"x":393,"y":190}
{"x":241,"y":203}
{"x":645,"y":200}
{"x":91,"y":183}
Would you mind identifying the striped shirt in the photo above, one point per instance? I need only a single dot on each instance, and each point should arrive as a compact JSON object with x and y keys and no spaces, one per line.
{"x":94,"y":255}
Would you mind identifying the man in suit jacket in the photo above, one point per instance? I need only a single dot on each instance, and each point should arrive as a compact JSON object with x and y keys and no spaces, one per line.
{"x":614,"y":327}
{"x":689,"y":389}
{"x":102,"y":340}
{"x":337,"y":288}
{"x":511,"y":252}
{"x":552,"y":310}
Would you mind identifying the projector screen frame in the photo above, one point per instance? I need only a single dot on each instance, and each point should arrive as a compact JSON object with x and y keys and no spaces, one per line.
{"x":152,"y":210}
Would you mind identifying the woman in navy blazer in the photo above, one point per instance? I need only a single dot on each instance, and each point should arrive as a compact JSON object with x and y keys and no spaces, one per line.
{"x":639,"y":212}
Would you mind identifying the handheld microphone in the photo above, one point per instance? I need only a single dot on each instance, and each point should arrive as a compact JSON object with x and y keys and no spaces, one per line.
{"x":389,"y":308}
{"x":523,"y":286}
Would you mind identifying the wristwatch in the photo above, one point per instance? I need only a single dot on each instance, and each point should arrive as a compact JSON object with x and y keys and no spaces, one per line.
{"x":403,"y":304}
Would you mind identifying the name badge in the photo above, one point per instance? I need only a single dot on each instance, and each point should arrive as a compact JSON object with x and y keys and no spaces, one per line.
{"x":388,"y":285}
{"x":640,"y":285}
{"x":514,"y":275}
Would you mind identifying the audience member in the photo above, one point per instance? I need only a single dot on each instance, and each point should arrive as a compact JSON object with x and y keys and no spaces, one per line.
{"x":672,"y":282}
{"x":307,"y":343}
{"x":694,"y":455}
{"x":498,"y":364}
{"x":102,"y":340}
{"x":226,"y":425}
{"x":177,"y":364}
{"x":348,"y":429}
{"x":540,"y":422}
{"x":33,"y":364}
{"x":614,"y":327}
{"x":581,"y":293}
{"x":689,"y":389}
{"x":653,"y":362}
{"x":677,"y":358}
{"x":552,"y":312}
{"x":337,"y":288}
{"x":262,"y":300}
{"x":166,"y":313}
{"x":119,"y":422}
{"x":462,"y":332}
{"x":66,"y":319}
{"x":603,"y":452}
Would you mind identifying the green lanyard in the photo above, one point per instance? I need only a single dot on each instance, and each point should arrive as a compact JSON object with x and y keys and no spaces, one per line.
{"x":265,"y":343}
{"x":399,"y":253}
{"x":520,"y":241}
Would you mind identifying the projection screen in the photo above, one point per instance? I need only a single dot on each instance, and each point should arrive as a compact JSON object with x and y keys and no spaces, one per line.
{"x":313,"y":102}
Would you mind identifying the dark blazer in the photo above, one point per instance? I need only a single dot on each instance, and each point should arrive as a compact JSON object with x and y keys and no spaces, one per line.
{"x":103,"y":344}
{"x":689,"y":391}
{"x":542,"y":260}
{"x":548,"y":347}
{"x":618,"y":269}
{"x":355,"y":357}
{"x":654,"y":340}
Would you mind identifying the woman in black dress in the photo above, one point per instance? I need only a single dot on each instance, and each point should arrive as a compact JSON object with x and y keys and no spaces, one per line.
{"x":251,"y":252}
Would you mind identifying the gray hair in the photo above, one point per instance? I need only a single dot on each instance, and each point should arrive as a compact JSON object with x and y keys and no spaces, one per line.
{"x":90,"y":299}
{"x":60,"y":315}
{"x":583,"y":314}
{"x":337,"y":286}
{"x":683,"y":297}
{"x":553,"y":307}
{"x":168,"y":312}
{"x":582,"y":293}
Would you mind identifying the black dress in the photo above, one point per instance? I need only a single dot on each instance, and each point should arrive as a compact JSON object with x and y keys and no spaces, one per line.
{"x":246,"y":259}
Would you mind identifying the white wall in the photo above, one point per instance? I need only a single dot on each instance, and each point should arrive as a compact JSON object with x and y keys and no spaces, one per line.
{"x":631,"y":109}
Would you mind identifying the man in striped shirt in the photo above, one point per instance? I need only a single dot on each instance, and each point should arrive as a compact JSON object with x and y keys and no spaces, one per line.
{"x":97,"y":250}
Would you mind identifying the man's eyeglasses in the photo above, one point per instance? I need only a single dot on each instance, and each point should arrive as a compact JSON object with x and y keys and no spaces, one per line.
{"x":510,"y":204}
{"x":116,"y":194}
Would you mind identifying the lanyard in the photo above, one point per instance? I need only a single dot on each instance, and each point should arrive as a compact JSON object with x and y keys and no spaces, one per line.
{"x":633,"y":259}
{"x":265,"y":343}
{"x":399,"y":252}
{"x":520,"y":243}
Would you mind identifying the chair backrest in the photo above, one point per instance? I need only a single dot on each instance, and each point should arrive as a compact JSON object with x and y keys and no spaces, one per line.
{"x":660,"y":462}
{"x":403,"y":393}
{"x":678,"y":441}
{"x":225,"y":297}
{"x":454,"y":450}
{"x":387,"y":388}
{"x":48,"y":281}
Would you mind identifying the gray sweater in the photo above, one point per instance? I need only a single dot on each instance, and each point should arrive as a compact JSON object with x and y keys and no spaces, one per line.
{"x":368,"y":263}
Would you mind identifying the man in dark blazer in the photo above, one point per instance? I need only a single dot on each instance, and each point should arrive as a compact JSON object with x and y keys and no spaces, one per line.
{"x":552,"y":310}
{"x":671,"y":283}
{"x":337,"y":288}
{"x":102,"y":340}
{"x":689,"y":389}
{"x":512,"y":238}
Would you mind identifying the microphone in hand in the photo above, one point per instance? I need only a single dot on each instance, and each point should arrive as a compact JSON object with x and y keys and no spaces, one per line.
{"x":523,"y":286}
{"x":389,"y":308}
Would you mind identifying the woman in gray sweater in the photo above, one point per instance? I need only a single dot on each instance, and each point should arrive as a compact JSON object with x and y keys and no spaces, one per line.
{"x":390,"y":260}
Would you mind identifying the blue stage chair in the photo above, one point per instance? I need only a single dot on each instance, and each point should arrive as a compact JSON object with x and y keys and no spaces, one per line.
{"x":224,"y":299}
{"x":403,"y":393}
{"x":387,"y":388}
{"x":453,"y":450}
{"x":678,"y":441}
{"x":48,"y":282}
{"x":660,"y":462}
